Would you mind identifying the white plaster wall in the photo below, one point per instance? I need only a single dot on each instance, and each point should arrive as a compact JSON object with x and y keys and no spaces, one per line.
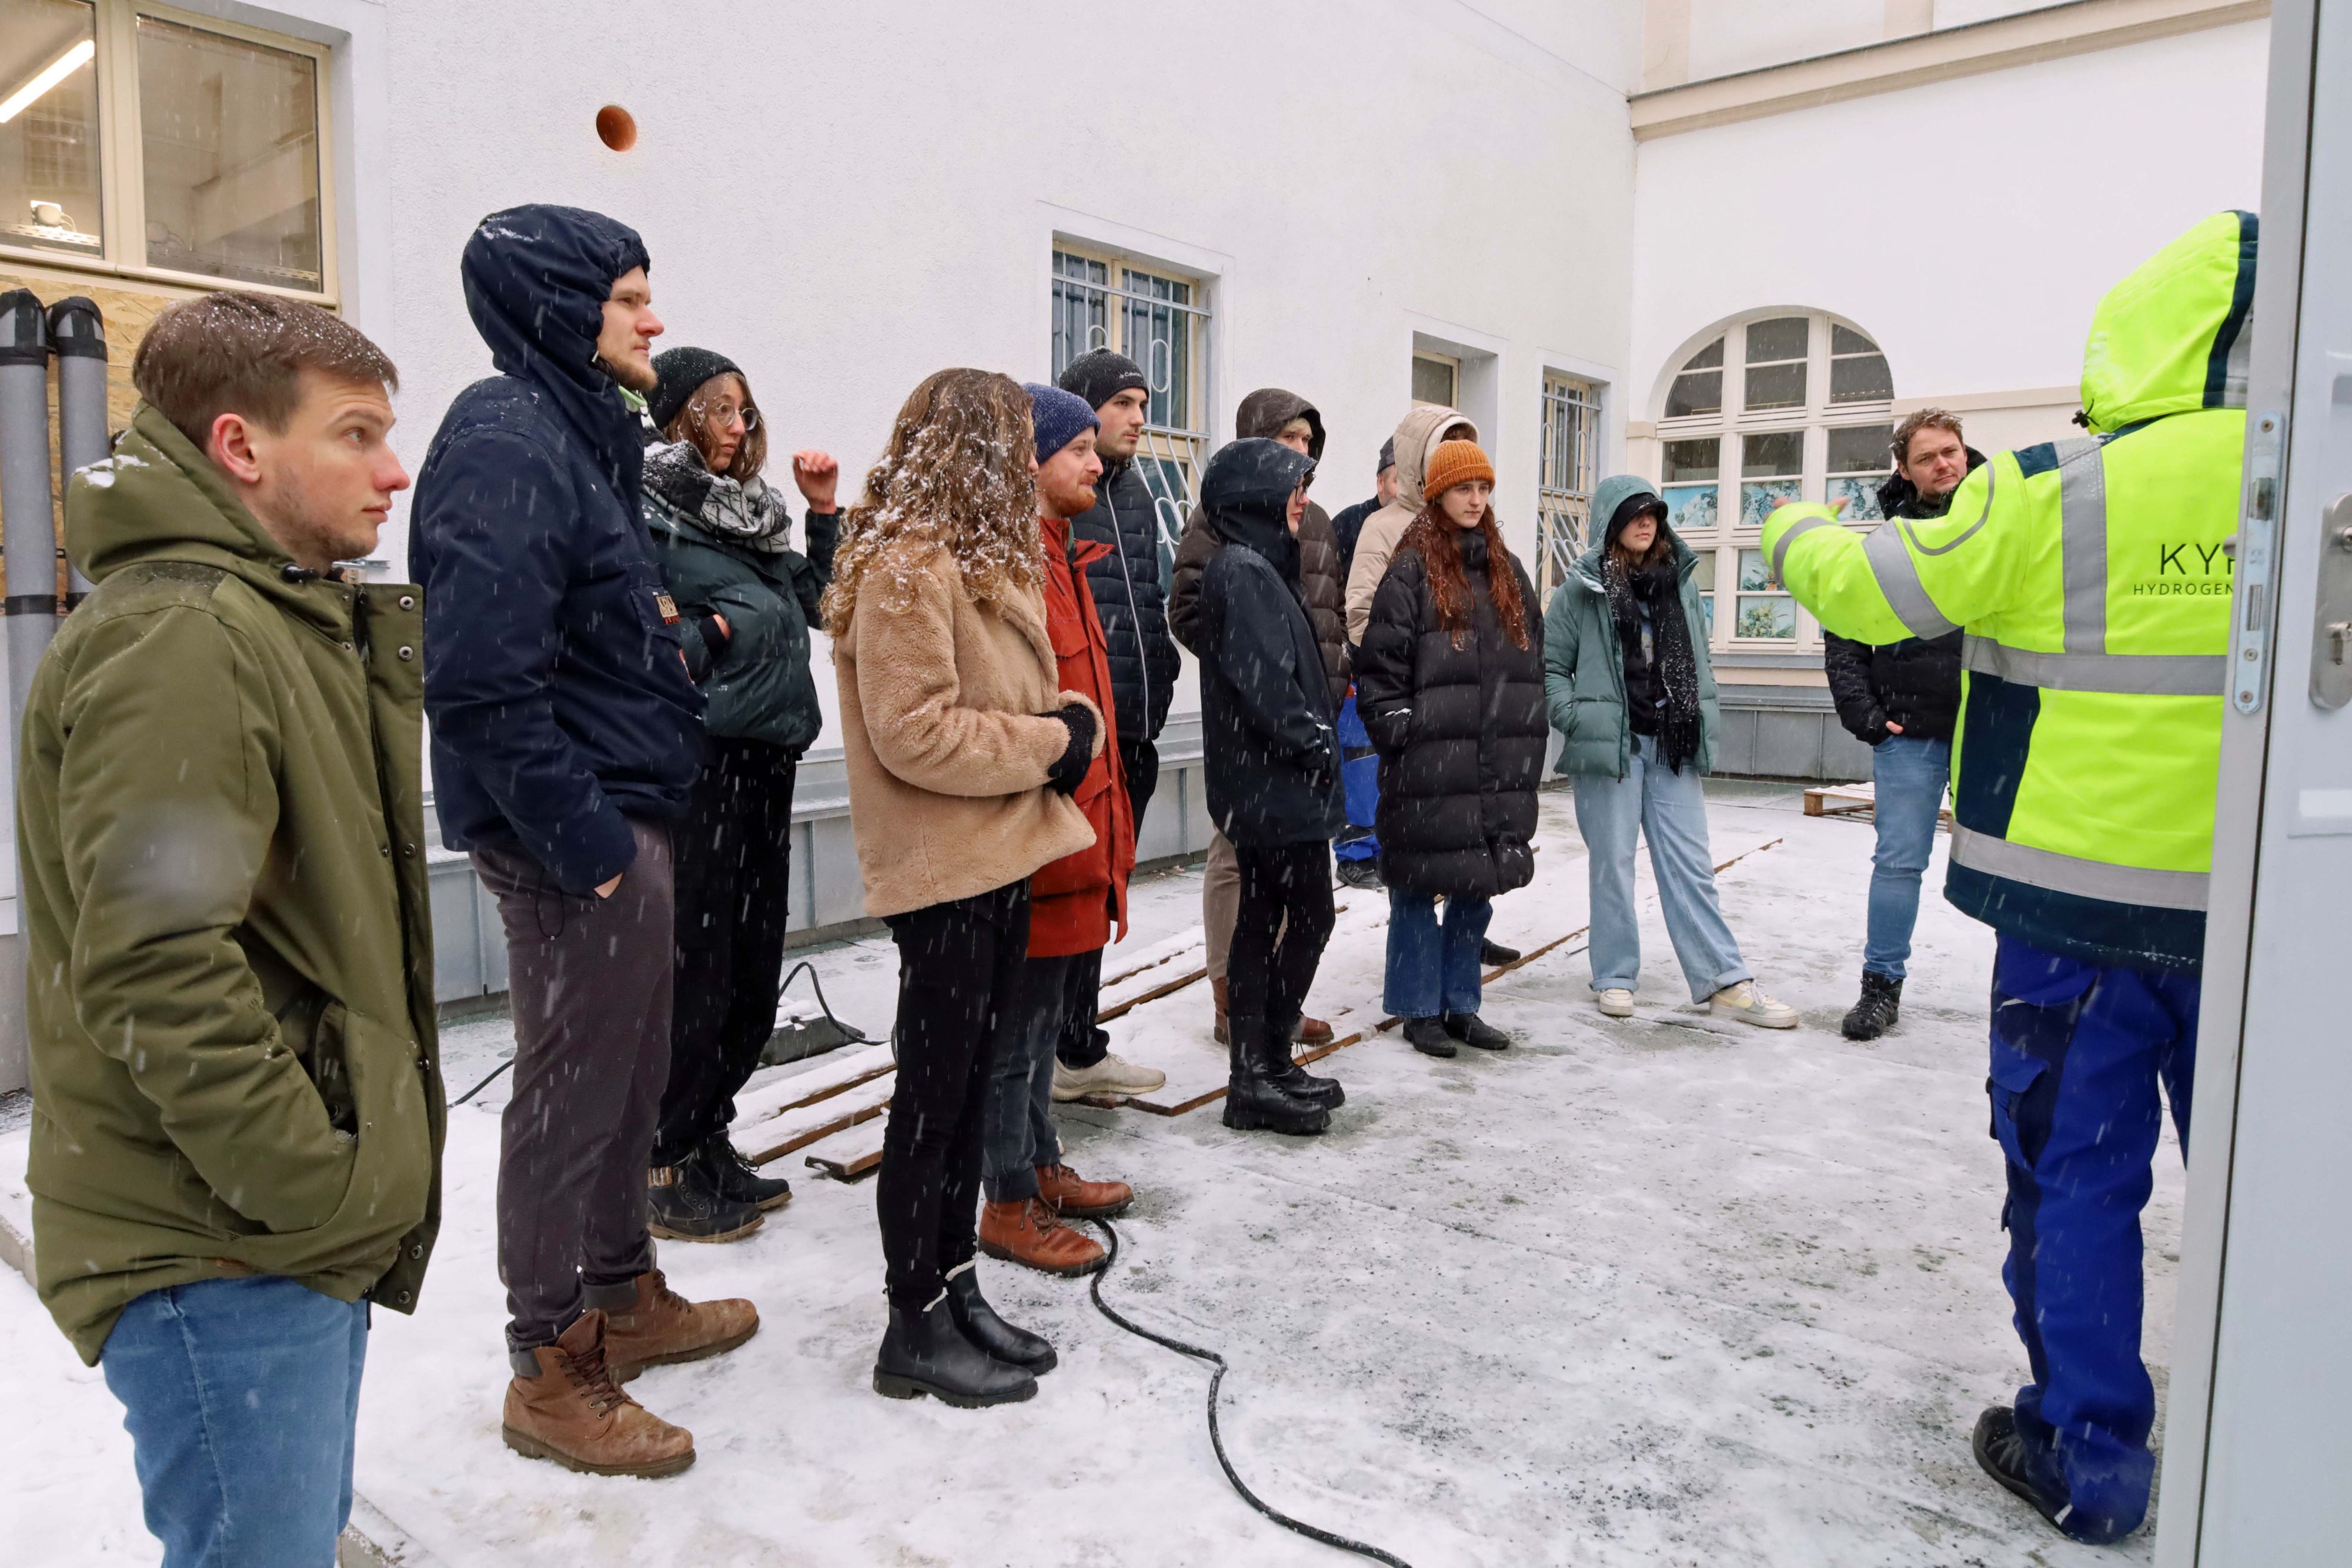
{"x":1960,"y":13}
{"x":1731,"y":36}
{"x":2062,"y":177}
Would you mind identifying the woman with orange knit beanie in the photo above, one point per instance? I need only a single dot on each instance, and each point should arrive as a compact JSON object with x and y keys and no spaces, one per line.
{"x":1450,"y":684}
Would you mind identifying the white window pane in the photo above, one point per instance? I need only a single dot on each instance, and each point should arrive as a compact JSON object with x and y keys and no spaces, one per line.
{"x":229,"y":135}
{"x":1690,"y":509}
{"x":1433,"y":382}
{"x":1774,"y":618}
{"x":1689,"y":460}
{"x":1708,"y":357}
{"x":1782,"y":452}
{"x":1757,"y":501}
{"x":1783,"y":338}
{"x":1860,"y":448}
{"x":1859,"y":493}
{"x":1862,"y":379}
{"x":1081,"y":308}
{"x":1846,"y":340}
{"x":49,"y":126}
{"x":1775,"y":386}
{"x":1695,"y":393}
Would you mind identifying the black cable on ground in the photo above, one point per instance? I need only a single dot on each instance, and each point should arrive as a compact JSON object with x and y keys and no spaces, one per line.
{"x":850,"y":1035}
{"x":1216,"y":1437}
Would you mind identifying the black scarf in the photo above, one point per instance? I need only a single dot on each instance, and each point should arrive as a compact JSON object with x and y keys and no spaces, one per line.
{"x":1656,"y":588}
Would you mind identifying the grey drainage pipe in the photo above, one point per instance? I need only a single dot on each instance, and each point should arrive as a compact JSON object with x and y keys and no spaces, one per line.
{"x":27,"y":522}
{"x":77,"y":337}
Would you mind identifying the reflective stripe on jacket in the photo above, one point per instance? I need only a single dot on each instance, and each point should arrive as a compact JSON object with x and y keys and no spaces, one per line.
{"x":2092,"y":581}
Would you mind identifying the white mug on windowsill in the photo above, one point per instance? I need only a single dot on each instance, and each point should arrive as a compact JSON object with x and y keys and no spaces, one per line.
{"x":50,"y":215}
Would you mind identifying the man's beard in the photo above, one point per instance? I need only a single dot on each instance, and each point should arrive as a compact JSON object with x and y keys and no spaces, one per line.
{"x":636,"y":378}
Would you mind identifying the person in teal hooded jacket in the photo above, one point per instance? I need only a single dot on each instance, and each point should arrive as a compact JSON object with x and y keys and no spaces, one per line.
{"x":1628,"y":685}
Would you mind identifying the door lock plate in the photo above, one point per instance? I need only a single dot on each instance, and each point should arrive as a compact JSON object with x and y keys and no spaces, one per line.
{"x":2331,"y":642}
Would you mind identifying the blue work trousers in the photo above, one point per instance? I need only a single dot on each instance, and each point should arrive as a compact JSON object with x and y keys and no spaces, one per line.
{"x":240,"y":1396}
{"x":1910,"y":776}
{"x":2078,"y":1052}
{"x":1433,"y":968}
{"x":1360,"y":786}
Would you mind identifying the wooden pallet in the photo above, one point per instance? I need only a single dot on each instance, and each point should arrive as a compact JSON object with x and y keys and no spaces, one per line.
{"x":853,"y":1154}
{"x":1853,"y":799}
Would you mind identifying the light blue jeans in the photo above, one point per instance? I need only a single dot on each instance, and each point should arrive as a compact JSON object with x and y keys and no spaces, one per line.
{"x":1670,"y":808}
{"x":240,"y":1396}
{"x":1911,"y":776}
{"x":1433,"y":968}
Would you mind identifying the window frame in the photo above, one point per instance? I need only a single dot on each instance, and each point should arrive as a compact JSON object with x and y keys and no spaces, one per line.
{"x":122,"y":158}
{"x":1813,"y":421}
{"x":1565,"y":509}
{"x":1451,"y":364}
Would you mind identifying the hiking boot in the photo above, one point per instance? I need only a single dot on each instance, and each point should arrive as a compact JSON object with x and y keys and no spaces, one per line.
{"x":1067,"y":1193}
{"x":1472,"y":1030}
{"x":1745,"y":1002}
{"x":1217,"y":989}
{"x":1255,"y":1096}
{"x":646,"y":1323}
{"x":738,"y":1179}
{"x":925,"y":1353}
{"x":1614,"y":1001}
{"x":1364,"y":875}
{"x":683,"y":1203}
{"x":1428,"y":1036}
{"x":1296,"y":1081}
{"x":1875,"y":1014}
{"x":1310,"y":1031}
{"x":1494,"y":955}
{"x":571,"y":1411}
{"x":1114,"y":1074}
{"x":2008,"y":1457}
{"x":989,"y":1334}
{"x":1028,"y":1232}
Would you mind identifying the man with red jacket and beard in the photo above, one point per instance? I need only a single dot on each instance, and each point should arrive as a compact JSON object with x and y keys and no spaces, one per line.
{"x":1073,"y":902}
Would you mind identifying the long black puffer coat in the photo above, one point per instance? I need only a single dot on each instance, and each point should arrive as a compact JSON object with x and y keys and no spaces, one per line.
{"x":1461,"y":731}
{"x":1129,"y":600}
{"x":1267,"y":721}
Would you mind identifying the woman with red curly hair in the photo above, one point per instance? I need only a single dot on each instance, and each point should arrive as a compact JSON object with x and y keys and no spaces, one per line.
{"x":1450,"y":684}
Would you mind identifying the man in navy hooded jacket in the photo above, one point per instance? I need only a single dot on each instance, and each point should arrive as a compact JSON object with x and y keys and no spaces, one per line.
{"x":566,"y":733}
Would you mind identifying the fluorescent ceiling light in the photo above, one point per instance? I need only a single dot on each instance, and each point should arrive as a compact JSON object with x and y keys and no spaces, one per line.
{"x":56,"y":71}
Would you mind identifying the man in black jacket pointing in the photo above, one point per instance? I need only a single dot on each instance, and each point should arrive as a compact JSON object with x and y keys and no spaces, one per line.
{"x":1901,"y":700}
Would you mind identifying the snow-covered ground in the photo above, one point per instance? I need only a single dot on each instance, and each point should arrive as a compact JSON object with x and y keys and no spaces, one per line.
{"x":1655,"y":1291}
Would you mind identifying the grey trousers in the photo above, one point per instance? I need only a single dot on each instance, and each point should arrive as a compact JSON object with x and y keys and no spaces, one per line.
{"x":1019,"y":1134}
{"x":591,"y":982}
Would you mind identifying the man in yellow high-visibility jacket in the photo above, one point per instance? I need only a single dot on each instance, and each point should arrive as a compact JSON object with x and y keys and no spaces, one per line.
{"x":2093,"y":581}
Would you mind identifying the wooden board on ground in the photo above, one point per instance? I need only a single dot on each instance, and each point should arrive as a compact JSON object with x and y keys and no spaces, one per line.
{"x":847,"y":1156}
{"x":838,"y":1073}
{"x":796,"y":1129}
{"x":1853,"y":799}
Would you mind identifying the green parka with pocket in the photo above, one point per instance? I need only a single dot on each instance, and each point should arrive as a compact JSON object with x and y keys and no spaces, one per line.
{"x":221,"y":850}
{"x":1584,"y":661}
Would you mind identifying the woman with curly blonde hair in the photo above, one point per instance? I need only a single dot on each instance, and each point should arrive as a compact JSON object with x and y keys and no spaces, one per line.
{"x":963,"y":756}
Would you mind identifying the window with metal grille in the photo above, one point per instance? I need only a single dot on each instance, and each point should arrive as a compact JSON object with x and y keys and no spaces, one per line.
{"x":1158,"y":318}
{"x":1572,"y":441}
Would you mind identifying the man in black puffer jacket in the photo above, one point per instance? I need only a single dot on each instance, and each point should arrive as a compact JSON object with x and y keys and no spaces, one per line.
{"x":1902,"y":701}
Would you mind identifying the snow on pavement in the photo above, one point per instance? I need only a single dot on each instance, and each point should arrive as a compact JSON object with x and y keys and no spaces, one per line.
{"x":1657,"y":1292}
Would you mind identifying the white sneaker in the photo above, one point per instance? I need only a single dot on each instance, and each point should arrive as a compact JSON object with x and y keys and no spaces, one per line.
{"x":1748,"y":1005}
{"x":1616,"y":1002}
{"x":1112,"y":1075}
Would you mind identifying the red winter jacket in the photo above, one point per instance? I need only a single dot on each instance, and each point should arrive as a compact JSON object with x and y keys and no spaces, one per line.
{"x":1073,"y":900}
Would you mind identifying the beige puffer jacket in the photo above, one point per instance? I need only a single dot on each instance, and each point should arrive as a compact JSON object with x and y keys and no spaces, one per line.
{"x":1417,"y":436}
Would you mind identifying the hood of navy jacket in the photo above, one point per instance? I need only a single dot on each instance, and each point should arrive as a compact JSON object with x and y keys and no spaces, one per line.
{"x":536,"y":281}
{"x":1245,"y":491}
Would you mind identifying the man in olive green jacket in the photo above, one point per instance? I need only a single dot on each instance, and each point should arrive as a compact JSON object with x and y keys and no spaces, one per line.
{"x":238,"y":1105}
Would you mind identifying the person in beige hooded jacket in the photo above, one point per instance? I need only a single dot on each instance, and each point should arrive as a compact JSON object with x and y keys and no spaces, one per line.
{"x":1418,"y":435}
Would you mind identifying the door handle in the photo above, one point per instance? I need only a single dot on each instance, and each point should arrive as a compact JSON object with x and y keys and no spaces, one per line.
{"x":2331,"y":642}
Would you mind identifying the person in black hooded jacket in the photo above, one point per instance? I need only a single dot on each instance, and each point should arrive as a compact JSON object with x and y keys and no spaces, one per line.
{"x":566,"y":734}
{"x":1450,"y":683}
{"x":1273,"y":754}
{"x":1903,"y":701}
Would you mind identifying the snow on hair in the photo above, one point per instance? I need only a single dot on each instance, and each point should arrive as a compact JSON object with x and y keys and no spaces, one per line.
{"x":955,"y":477}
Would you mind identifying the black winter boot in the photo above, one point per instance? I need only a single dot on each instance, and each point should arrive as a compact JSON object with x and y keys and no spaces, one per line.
{"x":1472,"y":1029}
{"x":925,"y":1353}
{"x":1255,"y":1095}
{"x":2005,"y":1455}
{"x":1296,"y":1080}
{"x":1428,"y":1036}
{"x":1494,"y":955}
{"x":683,"y":1204}
{"x":990,"y":1333}
{"x":737,"y":1179}
{"x":1875,"y":1014}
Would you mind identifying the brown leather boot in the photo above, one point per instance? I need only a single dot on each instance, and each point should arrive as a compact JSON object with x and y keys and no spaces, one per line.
{"x":1225,"y":1029}
{"x":660,"y":1326}
{"x":1311,"y":1032}
{"x":1029,"y":1233}
{"x":1072,"y":1195}
{"x":572,"y":1412}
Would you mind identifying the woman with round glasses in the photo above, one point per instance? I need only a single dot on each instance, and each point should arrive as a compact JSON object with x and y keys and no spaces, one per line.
{"x":744,"y":599}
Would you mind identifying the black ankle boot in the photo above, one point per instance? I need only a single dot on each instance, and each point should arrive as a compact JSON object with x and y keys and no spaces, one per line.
{"x":737,"y":1178}
{"x":1255,"y":1095}
{"x":989,"y":1332}
{"x":684,"y":1204}
{"x":1875,"y":1014}
{"x":1494,"y":955}
{"x":1472,"y":1029}
{"x":1428,"y":1036}
{"x":925,"y":1353}
{"x":1297,"y":1080}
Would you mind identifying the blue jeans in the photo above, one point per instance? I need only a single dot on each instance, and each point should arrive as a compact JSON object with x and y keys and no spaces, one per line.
{"x":1019,"y":1134}
{"x":2078,"y":1050}
{"x":1670,"y":808}
{"x":1433,"y":969}
{"x":1359,"y":785}
{"x":240,"y":1396}
{"x":1911,"y":776}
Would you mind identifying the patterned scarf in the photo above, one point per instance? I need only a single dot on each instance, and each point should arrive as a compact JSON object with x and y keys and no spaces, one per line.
{"x":1656,"y":587}
{"x":750,"y":515}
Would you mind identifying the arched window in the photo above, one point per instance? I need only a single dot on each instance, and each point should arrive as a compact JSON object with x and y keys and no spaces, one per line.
{"x":1785,"y":405}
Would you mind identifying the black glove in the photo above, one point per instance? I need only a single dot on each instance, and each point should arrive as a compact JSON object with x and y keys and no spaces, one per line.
{"x":715,"y":636}
{"x":1067,"y":774}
